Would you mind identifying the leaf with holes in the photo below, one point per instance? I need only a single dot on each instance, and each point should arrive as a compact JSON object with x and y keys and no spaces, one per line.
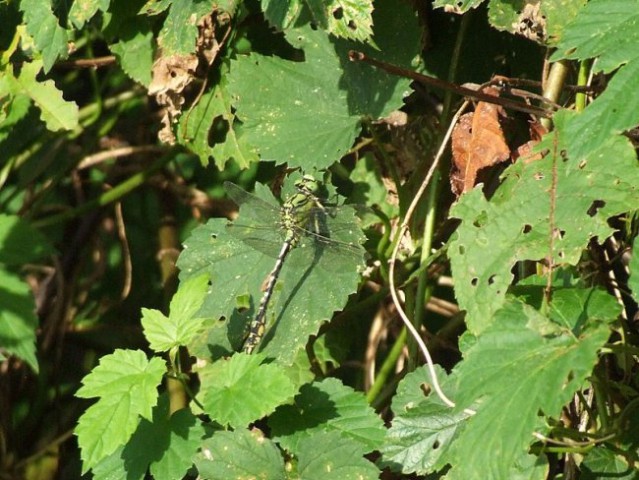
{"x":514,"y":224}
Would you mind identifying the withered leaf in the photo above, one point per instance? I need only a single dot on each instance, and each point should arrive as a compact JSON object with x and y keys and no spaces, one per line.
{"x":477,"y":142}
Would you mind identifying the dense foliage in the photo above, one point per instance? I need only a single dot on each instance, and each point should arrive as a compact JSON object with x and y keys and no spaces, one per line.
{"x":469,"y":309}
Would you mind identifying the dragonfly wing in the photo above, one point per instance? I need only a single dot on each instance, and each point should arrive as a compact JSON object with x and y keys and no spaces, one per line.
{"x":253,"y":207}
{"x":263,"y":239}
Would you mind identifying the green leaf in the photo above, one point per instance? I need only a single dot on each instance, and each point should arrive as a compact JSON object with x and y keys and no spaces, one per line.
{"x":296,"y":310}
{"x":50,"y":38}
{"x":127,"y":384}
{"x":330,"y":456}
{"x":327,"y":406}
{"x":286,"y":106}
{"x":18,"y":320}
{"x":57,"y":113}
{"x":239,"y":454}
{"x":135,"y":49}
{"x":183,"y":325}
{"x":457,"y":6}
{"x":513,"y":225}
{"x":179,"y":32}
{"x":83,"y":10}
{"x":606,"y":29}
{"x":516,"y":371}
{"x":633,"y":280}
{"x":262,"y":387}
{"x":20,"y":243}
{"x":541,"y":22}
{"x":351,"y":19}
{"x":603,"y":462}
{"x":419,"y":440}
{"x":202,"y":121}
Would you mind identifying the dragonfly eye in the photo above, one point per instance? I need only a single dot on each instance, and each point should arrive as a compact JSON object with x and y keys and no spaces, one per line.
{"x":308,"y":185}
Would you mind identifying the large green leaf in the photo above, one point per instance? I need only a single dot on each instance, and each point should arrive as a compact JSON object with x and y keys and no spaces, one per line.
{"x":239,"y":454}
{"x":262,"y":387}
{"x":50,"y":38}
{"x":287,"y":107}
{"x":126,"y":383}
{"x":514,"y":224}
{"x":330,"y":456}
{"x":327,"y":406}
{"x":521,"y":365}
{"x":20,"y":243}
{"x":311,"y":287}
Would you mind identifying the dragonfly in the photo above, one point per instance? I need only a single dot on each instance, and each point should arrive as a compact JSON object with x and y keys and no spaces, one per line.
{"x":301,"y":221}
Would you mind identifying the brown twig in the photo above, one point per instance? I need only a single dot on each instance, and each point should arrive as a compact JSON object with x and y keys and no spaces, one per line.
{"x":88,"y":62}
{"x":356,"y":56}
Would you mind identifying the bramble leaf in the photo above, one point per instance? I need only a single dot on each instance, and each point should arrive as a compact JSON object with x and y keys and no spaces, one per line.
{"x":262,"y":387}
{"x":126,"y":383}
{"x":182,"y":325}
{"x":327,"y":406}
{"x":239,"y":454}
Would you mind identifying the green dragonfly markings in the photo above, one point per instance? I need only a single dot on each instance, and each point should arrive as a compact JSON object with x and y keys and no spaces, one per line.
{"x":301,"y":221}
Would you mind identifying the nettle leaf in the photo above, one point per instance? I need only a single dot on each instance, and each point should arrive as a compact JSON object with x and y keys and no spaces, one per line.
{"x":57,"y":113}
{"x":126,"y":383}
{"x":135,"y":49}
{"x":18,"y":320}
{"x":83,"y":10}
{"x":203,"y":120}
{"x":543,"y":22}
{"x":179,"y":31}
{"x":514,"y":224}
{"x":166,"y":445}
{"x":605,"y":462}
{"x":424,"y":428}
{"x":327,"y":406}
{"x":49,"y":37}
{"x":183,"y":325}
{"x":239,"y":454}
{"x":286,"y":106}
{"x":262,"y":387}
{"x":296,"y":310}
{"x":606,"y":29}
{"x":331,"y":456}
{"x":515,"y":370}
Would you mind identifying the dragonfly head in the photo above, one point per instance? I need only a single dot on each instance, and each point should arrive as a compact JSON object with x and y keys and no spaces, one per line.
{"x":308,"y":185}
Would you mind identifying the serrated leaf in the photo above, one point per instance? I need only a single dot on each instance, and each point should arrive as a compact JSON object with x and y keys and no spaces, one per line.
{"x":423,"y":429}
{"x":607,"y":29}
{"x":240,"y":454}
{"x":330,"y":456}
{"x":296,"y":310}
{"x":262,"y":387}
{"x":135,"y":49}
{"x":604,"y":462}
{"x":183,"y":325}
{"x":166,"y":444}
{"x":351,"y":19}
{"x":543,"y":22}
{"x":612,"y":113}
{"x":197,"y":125}
{"x":18,"y":321}
{"x":83,"y":10}
{"x":127,"y":384}
{"x":179,"y":32}
{"x":56,"y":112}
{"x":457,"y":6}
{"x":49,"y":37}
{"x":327,"y":406}
{"x":286,"y":106}
{"x":515,"y":372}
{"x":20,"y":243}
{"x":513,"y":225}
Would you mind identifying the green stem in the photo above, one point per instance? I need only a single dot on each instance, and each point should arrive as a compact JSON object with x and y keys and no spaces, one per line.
{"x":582,"y":79}
{"x":387,"y":367}
{"x":554,"y":85}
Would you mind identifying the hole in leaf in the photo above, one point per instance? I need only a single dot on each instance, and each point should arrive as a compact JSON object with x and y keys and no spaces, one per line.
{"x":352,"y":25}
{"x":538,"y":176}
{"x":424,"y":387}
{"x":462,"y":250}
{"x":582,"y":164}
{"x":435,"y":444}
{"x":338,"y":13}
{"x":561,"y":254}
{"x":213,"y":236}
{"x":563,"y":154}
{"x":594,"y":207}
{"x":460,"y":4}
{"x":527,"y":229}
{"x":562,"y":233}
{"x":491,"y":279}
{"x":474,"y":281}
